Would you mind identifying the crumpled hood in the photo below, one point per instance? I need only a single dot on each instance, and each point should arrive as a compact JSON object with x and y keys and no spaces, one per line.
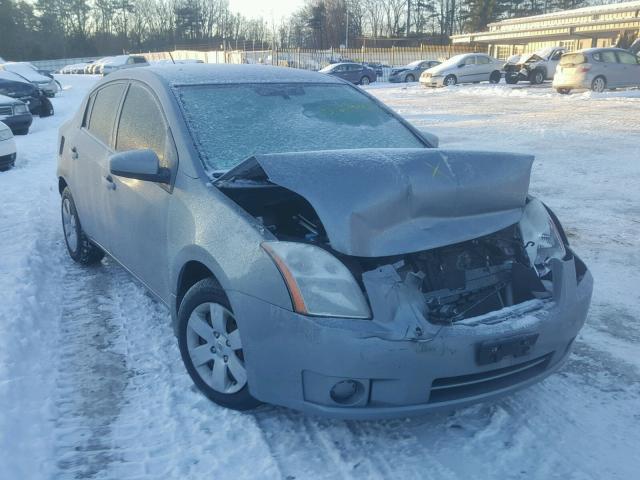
{"x":381,"y":202}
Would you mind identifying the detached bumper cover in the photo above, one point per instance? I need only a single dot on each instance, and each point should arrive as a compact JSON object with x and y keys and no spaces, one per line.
{"x":295,"y":361}
{"x":18,"y":122}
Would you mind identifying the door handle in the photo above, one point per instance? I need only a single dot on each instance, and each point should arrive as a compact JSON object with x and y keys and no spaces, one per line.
{"x":74,"y":153}
{"x":108,"y":182}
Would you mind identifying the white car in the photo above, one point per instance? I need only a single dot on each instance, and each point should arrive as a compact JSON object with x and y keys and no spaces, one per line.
{"x":7,"y":148}
{"x":123,"y":61}
{"x":27,"y":71}
{"x":465,"y":68}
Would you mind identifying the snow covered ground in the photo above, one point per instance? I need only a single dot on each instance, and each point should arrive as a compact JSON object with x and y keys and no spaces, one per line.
{"x":91,"y":383}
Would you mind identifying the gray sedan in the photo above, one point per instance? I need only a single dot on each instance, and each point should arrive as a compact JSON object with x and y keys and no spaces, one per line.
{"x":352,"y":72}
{"x":315,"y":251}
{"x":465,"y":68}
{"x":412,"y":71}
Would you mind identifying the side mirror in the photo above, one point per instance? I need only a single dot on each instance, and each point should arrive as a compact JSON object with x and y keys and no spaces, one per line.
{"x":433,"y":140}
{"x":140,"y":165}
{"x":461,"y":65}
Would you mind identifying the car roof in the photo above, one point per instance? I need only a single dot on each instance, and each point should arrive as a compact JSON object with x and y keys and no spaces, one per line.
{"x":9,"y":76}
{"x":203,"y":74}
{"x":4,"y":100}
{"x":600,"y":49}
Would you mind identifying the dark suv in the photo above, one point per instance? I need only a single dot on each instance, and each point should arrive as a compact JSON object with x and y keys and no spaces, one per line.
{"x":21,"y":90}
{"x":15,"y":115}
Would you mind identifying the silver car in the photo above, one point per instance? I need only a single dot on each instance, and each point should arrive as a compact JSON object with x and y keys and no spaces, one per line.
{"x":315,"y":251}
{"x":465,"y":68}
{"x":597,"y":69}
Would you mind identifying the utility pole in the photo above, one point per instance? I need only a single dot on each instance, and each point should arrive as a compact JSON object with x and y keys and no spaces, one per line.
{"x":408,"y":16}
{"x":346,"y":41}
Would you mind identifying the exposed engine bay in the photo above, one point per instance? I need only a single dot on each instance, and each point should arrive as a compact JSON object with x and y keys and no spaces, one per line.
{"x":454,"y":282}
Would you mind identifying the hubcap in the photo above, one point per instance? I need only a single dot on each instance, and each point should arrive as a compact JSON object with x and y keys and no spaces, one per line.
{"x":215,"y":349}
{"x":599,"y":85}
{"x":450,"y":81}
{"x":69,"y":225}
{"x":365,"y":81}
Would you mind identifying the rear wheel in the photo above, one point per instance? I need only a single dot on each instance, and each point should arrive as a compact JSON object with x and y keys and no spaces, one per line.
{"x":80,"y":248}
{"x":599,"y":84}
{"x":211,"y":346}
{"x":409,"y":78}
{"x":365,"y":80}
{"x":495,"y":77}
{"x":21,"y":131}
{"x":563,"y":91}
{"x":450,"y":80}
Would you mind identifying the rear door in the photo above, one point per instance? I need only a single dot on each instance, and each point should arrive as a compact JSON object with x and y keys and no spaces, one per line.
{"x":611,"y":69}
{"x":90,"y":149}
{"x":355,"y":72}
{"x":484,"y":67}
{"x":140,"y":240}
{"x":630,"y":65}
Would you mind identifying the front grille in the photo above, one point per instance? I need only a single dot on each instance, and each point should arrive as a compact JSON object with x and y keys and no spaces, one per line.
{"x":6,"y":110}
{"x":454,"y":388}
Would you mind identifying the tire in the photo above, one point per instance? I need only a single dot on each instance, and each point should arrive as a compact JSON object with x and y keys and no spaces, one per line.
{"x":206,"y":343}
{"x":365,"y":80}
{"x":563,"y":91}
{"x":599,"y":84}
{"x":409,"y":78}
{"x":21,"y":131}
{"x":79,"y":247}
{"x":536,"y":77}
{"x":449,"y":81}
{"x":495,"y":77}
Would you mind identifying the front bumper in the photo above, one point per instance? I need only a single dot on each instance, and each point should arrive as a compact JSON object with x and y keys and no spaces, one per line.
{"x":432,"y":81}
{"x":18,"y":122}
{"x":295,"y":361}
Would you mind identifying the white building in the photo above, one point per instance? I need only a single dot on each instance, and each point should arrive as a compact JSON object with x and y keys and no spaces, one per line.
{"x":599,"y":26}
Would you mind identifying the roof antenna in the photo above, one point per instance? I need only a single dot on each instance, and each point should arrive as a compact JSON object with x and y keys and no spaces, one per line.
{"x":171,"y":57}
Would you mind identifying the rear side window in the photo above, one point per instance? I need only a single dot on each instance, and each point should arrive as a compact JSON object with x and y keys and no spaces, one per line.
{"x":483,"y":60}
{"x":573,"y":59}
{"x":104,"y":110}
{"x":627,"y":58}
{"x":142,"y":124}
{"x":139,"y":60}
{"x":608,"y":57}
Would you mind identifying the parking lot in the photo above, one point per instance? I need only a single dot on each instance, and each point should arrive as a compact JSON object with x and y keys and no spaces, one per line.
{"x":92,"y":386}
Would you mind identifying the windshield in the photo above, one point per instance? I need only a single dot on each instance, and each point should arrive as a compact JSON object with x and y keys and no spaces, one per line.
{"x":413,"y":65}
{"x":230,"y":123}
{"x":543,"y":52}
{"x":328,"y":68}
{"x":454,"y":60}
{"x":573,"y":59}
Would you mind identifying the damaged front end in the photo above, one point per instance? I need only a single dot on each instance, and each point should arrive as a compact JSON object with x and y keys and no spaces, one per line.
{"x":419,"y":279}
{"x":428,"y":237}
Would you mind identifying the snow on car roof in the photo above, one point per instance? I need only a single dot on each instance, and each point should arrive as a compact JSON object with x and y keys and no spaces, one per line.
{"x":201,"y":74}
{"x":4,"y":100}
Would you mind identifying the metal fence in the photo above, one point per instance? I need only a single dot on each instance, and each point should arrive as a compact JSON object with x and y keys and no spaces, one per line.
{"x":382,"y":58}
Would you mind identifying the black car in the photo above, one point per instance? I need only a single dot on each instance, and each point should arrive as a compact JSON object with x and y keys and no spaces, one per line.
{"x":23,"y":91}
{"x":15,"y":115}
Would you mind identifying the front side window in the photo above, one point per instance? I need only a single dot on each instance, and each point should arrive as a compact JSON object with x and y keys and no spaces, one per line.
{"x":483,"y":60}
{"x":104,"y":110}
{"x":230,"y":123}
{"x":141,"y":124}
{"x":627,"y":58}
{"x":470,"y":60}
{"x":608,"y":56}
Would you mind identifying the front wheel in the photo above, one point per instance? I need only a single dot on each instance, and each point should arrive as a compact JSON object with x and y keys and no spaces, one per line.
{"x":211,"y":346}
{"x":495,"y":77}
{"x":450,"y":81}
{"x":365,"y":81}
{"x":536,"y":77}
{"x":599,"y":84}
{"x":409,"y":78}
{"x":563,"y":91}
{"x":80,"y":248}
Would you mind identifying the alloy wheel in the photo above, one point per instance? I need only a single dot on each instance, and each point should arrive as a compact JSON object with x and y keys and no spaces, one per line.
{"x":69,"y":225}
{"x":598,"y":85}
{"x":215,"y":349}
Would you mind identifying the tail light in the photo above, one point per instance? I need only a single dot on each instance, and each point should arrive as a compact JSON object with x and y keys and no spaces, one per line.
{"x":584,"y":68}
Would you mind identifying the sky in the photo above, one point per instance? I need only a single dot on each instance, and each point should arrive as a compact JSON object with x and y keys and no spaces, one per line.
{"x":267,"y":9}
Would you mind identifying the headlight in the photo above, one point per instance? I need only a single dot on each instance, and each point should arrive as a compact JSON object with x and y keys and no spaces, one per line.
{"x":5,"y":135}
{"x":319,"y":284}
{"x":541,"y":238}
{"x":20,"y":109}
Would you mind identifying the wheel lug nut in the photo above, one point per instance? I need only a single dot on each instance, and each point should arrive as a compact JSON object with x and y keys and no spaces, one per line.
{"x":228,"y":343}
{"x":213,"y":349}
{"x":225,"y":358}
{"x":216,"y":334}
